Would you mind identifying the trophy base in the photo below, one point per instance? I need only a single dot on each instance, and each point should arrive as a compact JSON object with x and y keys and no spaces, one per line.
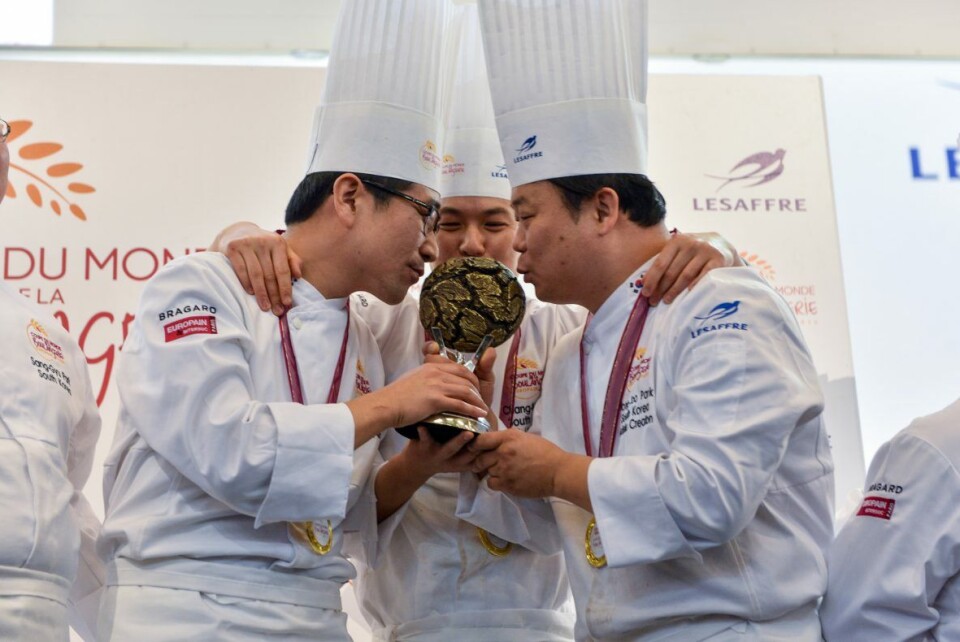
{"x":445,"y":426}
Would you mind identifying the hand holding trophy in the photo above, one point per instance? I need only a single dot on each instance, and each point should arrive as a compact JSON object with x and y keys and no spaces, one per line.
{"x":467,"y":305}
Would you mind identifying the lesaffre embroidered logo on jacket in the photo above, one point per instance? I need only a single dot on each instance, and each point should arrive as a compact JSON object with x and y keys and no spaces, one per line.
{"x":720,"y":312}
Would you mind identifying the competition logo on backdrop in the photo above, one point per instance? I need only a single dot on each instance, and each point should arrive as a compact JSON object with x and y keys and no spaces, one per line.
{"x":46,"y":176}
{"x":801,"y":297}
{"x":755,"y":169}
{"x":38,"y":176}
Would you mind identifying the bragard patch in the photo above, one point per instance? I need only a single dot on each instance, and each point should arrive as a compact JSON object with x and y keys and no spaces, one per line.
{"x":191,"y":325}
{"x":879,"y":507}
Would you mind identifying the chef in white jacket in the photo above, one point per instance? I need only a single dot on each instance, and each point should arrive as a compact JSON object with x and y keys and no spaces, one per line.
{"x":49,"y":426}
{"x":894,"y":572}
{"x":684,"y":454}
{"x":432,"y":576}
{"x":244,"y":441}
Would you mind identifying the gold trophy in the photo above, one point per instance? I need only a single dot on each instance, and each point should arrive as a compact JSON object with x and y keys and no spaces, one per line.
{"x":467,"y":305}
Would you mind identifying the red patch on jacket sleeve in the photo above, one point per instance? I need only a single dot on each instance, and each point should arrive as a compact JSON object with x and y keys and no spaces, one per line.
{"x":879,"y":507}
{"x":190,"y":325}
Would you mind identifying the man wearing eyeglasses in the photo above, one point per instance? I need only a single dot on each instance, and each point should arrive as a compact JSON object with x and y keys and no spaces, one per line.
{"x":49,"y":426}
{"x":245,"y":441}
{"x":431,"y":575}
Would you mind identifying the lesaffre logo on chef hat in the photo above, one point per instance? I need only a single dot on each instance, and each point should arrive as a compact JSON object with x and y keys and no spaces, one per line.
{"x":380,"y":110}
{"x":526,"y":152}
{"x":573,"y":102}
{"x":471,"y":148}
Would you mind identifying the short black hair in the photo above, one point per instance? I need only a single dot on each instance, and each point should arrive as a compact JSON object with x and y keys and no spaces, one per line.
{"x":316,"y":188}
{"x":639,"y":197}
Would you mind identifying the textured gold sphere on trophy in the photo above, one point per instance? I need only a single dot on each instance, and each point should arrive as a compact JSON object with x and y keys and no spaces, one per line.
{"x":469,"y":298}
{"x":467,"y":305}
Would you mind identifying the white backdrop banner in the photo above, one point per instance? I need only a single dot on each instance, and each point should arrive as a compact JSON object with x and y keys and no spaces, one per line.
{"x":748,"y":157}
{"x":119,"y":168}
{"x":893,"y":128}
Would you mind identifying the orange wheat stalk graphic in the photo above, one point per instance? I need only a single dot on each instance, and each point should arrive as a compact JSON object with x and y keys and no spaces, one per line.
{"x":766,"y":270}
{"x":39,"y":151}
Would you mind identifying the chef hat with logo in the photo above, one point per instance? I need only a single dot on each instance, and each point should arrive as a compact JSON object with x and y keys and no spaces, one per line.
{"x":472,"y":161}
{"x":380,"y":109}
{"x":569,"y":82}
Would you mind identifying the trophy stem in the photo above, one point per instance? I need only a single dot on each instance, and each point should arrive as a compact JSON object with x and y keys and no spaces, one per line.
{"x":446,"y":425}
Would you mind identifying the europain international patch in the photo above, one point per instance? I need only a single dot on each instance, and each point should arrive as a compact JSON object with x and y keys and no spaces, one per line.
{"x":189,"y":326}
{"x":879,"y":507}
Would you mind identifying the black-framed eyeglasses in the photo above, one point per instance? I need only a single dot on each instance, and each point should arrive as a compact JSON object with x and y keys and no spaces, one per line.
{"x":4,"y":130}
{"x":431,"y":219}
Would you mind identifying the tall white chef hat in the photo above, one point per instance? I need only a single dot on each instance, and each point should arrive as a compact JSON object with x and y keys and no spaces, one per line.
{"x":472,"y":161}
{"x":380,"y":110}
{"x":569,"y":82}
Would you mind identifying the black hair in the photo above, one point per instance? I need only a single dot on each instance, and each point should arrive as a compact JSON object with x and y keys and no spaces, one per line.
{"x":639,"y":197}
{"x":315,"y":188}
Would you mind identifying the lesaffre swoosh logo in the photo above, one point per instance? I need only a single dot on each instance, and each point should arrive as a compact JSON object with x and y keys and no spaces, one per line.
{"x":721,"y":311}
{"x":755,"y":169}
{"x":528,"y":144}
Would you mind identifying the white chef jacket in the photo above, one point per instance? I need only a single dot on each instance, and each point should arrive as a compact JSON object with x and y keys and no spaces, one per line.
{"x":49,"y":426}
{"x":716,"y":509}
{"x":212,"y":460}
{"x":894,"y":569}
{"x":429,"y":577}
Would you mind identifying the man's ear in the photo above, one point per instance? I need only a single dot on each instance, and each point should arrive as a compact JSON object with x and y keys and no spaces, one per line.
{"x":606,"y":204}
{"x":347,"y":190}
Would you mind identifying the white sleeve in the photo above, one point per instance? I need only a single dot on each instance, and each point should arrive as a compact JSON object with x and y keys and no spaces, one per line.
{"x":893,"y":557}
{"x":738,"y":395}
{"x":84,"y":599}
{"x":526,"y":522}
{"x":192,"y":400}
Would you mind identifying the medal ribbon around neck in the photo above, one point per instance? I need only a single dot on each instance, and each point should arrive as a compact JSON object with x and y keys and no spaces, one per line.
{"x":616,"y":387}
{"x":509,"y":392}
{"x":617,"y":384}
{"x":306,"y":529}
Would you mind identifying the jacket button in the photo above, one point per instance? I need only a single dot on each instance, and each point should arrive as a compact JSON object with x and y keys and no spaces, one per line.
{"x":298,"y":323}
